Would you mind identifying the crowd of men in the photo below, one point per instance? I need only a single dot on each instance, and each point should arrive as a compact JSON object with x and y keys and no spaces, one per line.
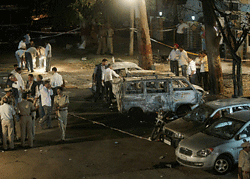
{"x":26,"y":102}
{"x":27,"y":53}
{"x":194,"y":69}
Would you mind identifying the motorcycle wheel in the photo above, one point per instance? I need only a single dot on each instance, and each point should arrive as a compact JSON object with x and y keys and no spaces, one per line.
{"x":155,"y":133}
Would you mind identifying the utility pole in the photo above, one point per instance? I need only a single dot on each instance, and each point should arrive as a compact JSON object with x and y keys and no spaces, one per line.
{"x":132,"y":25}
{"x":143,"y":37}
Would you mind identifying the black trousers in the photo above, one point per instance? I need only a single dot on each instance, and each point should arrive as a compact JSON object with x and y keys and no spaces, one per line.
{"x":193,"y":79}
{"x":109,"y":92}
{"x":205,"y":80}
{"x":184,"y":70}
{"x":174,"y":67}
{"x":29,"y":61}
{"x":198,"y":74}
{"x":99,"y":94}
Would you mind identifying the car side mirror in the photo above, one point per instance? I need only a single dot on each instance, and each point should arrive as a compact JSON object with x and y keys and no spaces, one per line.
{"x":241,"y":136}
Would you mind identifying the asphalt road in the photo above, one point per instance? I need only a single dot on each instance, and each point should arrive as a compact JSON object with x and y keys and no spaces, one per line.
{"x":99,"y":143}
{"x":95,"y":148}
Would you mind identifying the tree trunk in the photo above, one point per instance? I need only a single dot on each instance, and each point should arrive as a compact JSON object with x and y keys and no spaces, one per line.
{"x":239,"y":78}
{"x":212,"y":44}
{"x":132,"y":19}
{"x":234,"y":79}
{"x":143,"y":37}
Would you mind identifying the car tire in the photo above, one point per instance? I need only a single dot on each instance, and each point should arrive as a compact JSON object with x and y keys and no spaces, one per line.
{"x":136,"y":113}
{"x":222,"y":165}
{"x":183,"y":110}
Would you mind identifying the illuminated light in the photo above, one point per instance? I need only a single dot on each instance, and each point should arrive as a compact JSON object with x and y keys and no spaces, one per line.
{"x":160,"y":13}
{"x":193,"y":18}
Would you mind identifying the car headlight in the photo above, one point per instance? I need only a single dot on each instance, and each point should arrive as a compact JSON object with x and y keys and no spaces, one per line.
{"x":178,"y":135}
{"x":205,"y":152}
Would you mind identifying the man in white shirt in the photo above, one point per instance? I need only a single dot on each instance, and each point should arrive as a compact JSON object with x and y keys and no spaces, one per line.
{"x":22,"y":44}
{"x":173,"y":57}
{"x":180,"y":32}
{"x":191,"y":71}
{"x":48,"y":55}
{"x":183,"y":61}
{"x":20,"y":83}
{"x":7,"y":114}
{"x":20,"y":56}
{"x":46,"y":93}
{"x":107,"y":77}
{"x":29,"y":55}
{"x":42,"y":57}
{"x":39,"y":87}
{"x":14,"y":70}
{"x":56,"y":81}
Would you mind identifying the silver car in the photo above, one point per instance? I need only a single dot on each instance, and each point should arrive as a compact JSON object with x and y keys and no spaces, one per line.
{"x":202,"y":117}
{"x":218,"y":146}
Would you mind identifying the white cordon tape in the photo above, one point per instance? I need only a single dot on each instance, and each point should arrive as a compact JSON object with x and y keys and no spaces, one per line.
{"x":57,"y":33}
{"x":112,"y":128}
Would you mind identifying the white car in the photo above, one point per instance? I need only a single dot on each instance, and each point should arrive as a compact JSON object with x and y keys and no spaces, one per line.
{"x":218,"y":146}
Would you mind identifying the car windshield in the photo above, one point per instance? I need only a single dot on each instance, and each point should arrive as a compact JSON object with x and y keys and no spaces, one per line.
{"x":224,"y":128}
{"x":199,"y":114}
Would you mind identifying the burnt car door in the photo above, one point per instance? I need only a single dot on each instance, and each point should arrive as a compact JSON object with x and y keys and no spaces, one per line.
{"x":133,"y":96}
{"x":157,"y":95}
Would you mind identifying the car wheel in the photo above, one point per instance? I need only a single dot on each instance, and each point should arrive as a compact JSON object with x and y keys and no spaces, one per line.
{"x":136,"y":113}
{"x":182,"y":111}
{"x":222,"y":165}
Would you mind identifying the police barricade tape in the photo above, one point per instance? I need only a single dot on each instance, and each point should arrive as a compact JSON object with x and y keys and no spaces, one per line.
{"x":191,"y":53}
{"x":56,"y":33}
{"x":112,"y":128}
{"x":68,"y":32}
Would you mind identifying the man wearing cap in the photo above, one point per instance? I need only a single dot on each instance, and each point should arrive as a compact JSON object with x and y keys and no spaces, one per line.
{"x":9,"y":96}
{"x":11,"y":101}
{"x":244,"y":161}
{"x":61,"y":107}
{"x":173,"y":57}
{"x":7,"y":113}
{"x":25,"y":109}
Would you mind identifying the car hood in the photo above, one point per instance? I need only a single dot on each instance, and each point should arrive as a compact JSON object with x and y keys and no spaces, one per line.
{"x":200,"y":141}
{"x":122,"y":65}
{"x":198,"y":87}
{"x":187,"y":128}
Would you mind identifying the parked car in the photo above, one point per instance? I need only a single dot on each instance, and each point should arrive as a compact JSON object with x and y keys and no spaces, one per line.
{"x":147,"y":94}
{"x":218,"y":146}
{"x":123,"y":68}
{"x":202,"y":117}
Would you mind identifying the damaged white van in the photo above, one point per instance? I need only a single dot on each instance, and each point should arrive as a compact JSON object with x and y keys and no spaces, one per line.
{"x":148,"y":94}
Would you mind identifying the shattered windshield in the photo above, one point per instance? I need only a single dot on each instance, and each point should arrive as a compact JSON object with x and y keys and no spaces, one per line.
{"x":225,"y":128}
{"x":199,"y":114}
